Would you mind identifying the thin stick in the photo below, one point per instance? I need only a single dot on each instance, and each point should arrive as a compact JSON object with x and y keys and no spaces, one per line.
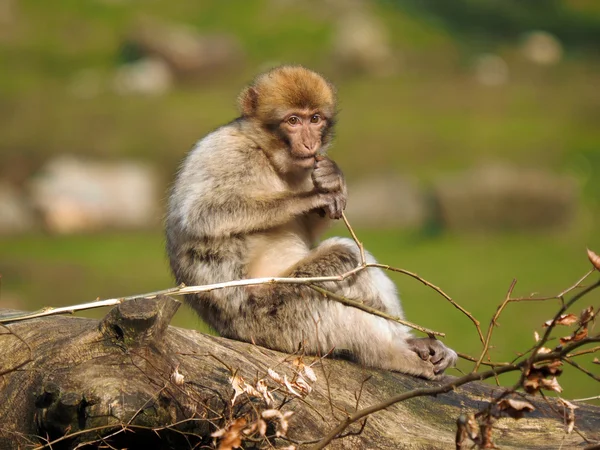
{"x":361,"y":248}
{"x":354,"y":304}
{"x":488,"y":337}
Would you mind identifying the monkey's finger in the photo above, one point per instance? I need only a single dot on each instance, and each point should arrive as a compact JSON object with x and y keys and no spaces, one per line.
{"x":436,"y":358}
{"x":338,"y":207}
{"x":331,"y":210}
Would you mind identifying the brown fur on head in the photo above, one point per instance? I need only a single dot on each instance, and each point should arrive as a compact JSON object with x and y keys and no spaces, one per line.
{"x":274,"y":93}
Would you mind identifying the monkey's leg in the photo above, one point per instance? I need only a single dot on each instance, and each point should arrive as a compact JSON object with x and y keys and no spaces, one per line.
{"x":283,"y":316}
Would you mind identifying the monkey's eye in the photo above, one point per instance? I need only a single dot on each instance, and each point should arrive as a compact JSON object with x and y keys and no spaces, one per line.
{"x":315,"y":118}
{"x":293,"y":120}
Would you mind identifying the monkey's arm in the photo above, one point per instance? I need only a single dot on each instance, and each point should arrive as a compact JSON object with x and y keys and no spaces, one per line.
{"x":224,"y":215}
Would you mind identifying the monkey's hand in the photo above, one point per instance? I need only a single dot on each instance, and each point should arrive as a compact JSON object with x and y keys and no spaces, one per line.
{"x":435,"y":352}
{"x":328,"y":179}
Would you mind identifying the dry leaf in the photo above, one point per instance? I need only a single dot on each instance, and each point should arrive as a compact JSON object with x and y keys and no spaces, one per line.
{"x":262,"y":387}
{"x":237,"y":382}
{"x":515,"y":408}
{"x":467,"y":427}
{"x":594,"y":259}
{"x":543,"y":350}
{"x":282,"y":418}
{"x":275,"y":376}
{"x":564,"y":319}
{"x":596,"y":361}
{"x":177,"y":378}
{"x":536,"y":336}
{"x":537,"y":378}
{"x":289,"y":387}
{"x":310,"y":373}
{"x":231,"y":436}
{"x":303,"y":385}
{"x":551,"y":385}
{"x":586,"y":315}
{"x":569,"y":413}
{"x":270,"y":413}
{"x":577,"y":337}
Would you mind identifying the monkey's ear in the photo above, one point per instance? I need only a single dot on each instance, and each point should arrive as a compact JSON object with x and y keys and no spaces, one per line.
{"x":248,"y":101}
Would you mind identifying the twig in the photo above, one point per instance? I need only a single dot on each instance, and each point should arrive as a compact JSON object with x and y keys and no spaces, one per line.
{"x":361,"y":248}
{"x":488,"y":337}
{"x":584,"y":352}
{"x":354,"y":304}
{"x":577,"y":366}
{"x":587,"y":399}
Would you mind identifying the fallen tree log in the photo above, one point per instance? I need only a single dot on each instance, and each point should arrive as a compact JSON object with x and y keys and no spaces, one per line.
{"x":132,"y":381}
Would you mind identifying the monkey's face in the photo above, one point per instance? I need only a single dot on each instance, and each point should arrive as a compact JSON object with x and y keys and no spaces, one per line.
{"x":303,"y":131}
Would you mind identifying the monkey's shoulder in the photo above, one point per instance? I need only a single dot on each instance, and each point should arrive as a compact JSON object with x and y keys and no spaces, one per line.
{"x":226,"y":141}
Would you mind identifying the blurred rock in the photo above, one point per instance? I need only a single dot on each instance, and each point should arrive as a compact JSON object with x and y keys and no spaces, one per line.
{"x":73,"y":195}
{"x":361,"y":44}
{"x":149,"y":76}
{"x":500,"y":197}
{"x":15,"y":214}
{"x":188,"y":53}
{"x":387,"y":202}
{"x":491,"y":70}
{"x":542,"y":48}
{"x":8,"y":12}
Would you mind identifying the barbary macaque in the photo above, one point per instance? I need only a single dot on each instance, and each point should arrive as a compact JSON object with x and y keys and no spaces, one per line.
{"x":251,"y":200}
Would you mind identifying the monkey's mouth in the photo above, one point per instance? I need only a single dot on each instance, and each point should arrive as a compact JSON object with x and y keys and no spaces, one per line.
{"x":306,"y":161}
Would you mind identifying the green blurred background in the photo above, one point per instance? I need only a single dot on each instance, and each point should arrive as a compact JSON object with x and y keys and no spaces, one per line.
{"x":426,"y":112}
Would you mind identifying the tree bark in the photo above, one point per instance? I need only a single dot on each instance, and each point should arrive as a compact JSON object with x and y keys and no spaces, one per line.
{"x":72,"y":381}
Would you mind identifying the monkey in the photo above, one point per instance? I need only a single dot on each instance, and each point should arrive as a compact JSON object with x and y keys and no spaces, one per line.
{"x":251,"y":199}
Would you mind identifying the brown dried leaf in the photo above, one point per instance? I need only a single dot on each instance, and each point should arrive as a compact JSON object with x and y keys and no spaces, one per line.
{"x":564,"y":319}
{"x":486,"y":436}
{"x":231,"y":436}
{"x":543,"y":350}
{"x":536,"y":378}
{"x":303,"y":385}
{"x":586,"y":316}
{"x":467,"y":427}
{"x":594,"y":259}
{"x":577,"y":337}
{"x":569,"y":413}
{"x":261,"y":386}
{"x":282,"y":418}
{"x":289,"y":387}
{"x":596,"y":361}
{"x":531,"y":385}
{"x":237,"y":382}
{"x":515,"y":408}
{"x":275,"y":376}
{"x":270,"y":414}
{"x":310,"y":373}
{"x":551,"y":384}
{"x":251,"y":390}
{"x":177,"y":377}
{"x":284,"y":424}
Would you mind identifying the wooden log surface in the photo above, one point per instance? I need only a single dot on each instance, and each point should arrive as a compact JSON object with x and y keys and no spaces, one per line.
{"x":72,"y":381}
